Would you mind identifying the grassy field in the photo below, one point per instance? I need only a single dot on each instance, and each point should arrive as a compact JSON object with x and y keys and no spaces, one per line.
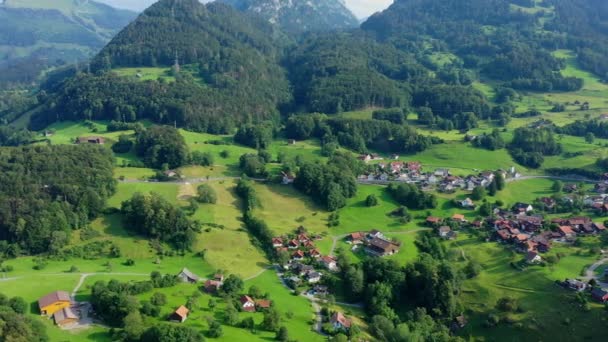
{"x":284,"y":209}
{"x":146,"y":74}
{"x":228,"y":248}
{"x":549,"y":312}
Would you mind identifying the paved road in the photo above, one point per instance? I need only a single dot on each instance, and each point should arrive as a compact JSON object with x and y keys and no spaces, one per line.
{"x":590,"y":272}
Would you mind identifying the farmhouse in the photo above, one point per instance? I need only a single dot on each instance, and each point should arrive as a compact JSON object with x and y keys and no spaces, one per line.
{"x":566,"y":231}
{"x":381,"y":247}
{"x":575,"y":285}
{"x":188,"y":277}
{"x":459,"y":218}
{"x":277,"y":242}
{"x":467,"y":203}
{"x":91,"y":140}
{"x":263,"y":304}
{"x":329,"y":263}
{"x":356,"y":238}
{"x":447,"y":233}
{"x":212,"y":286}
{"x":339,"y":321}
{"x":54,"y":302}
{"x":247,"y":304}
{"x":65,"y":317}
{"x":533,"y":258}
{"x":179,"y":315}
{"x":431,"y":220}
{"x":522,"y":208}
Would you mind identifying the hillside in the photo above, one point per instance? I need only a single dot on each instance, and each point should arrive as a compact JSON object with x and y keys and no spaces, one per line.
{"x":36,"y":35}
{"x":296,"y":16}
{"x":227,"y":71}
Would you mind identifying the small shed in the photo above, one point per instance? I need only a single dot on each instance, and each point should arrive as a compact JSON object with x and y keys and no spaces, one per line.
{"x":179,"y":315}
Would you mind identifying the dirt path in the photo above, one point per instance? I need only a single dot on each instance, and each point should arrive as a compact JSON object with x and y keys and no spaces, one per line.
{"x":259,"y":273}
{"x":565,"y":179}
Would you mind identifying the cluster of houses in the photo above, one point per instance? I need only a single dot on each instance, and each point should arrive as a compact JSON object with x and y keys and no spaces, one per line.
{"x":597,"y":293}
{"x":376,"y":244}
{"x":519,"y":228}
{"x":440,"y":179}
{"x":303,"y":255}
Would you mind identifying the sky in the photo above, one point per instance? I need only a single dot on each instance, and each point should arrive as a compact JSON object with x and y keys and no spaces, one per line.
{"x":361,"y":8}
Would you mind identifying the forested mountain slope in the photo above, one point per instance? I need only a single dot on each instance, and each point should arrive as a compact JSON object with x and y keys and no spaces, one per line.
{"x":227,"y":71}
{"x":420,"y":55}
{"x":36,"y":34}
{"x":298,"y":16}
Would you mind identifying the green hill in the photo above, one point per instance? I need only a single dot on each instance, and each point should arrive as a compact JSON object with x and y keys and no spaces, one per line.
{"x":36,"y":35}
{"x":228,"y":71}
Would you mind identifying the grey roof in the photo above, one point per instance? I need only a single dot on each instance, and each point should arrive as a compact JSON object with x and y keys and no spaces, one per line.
{"x":57,"y":296}
{"x":189,"y":274}
{"x":63,"y":314}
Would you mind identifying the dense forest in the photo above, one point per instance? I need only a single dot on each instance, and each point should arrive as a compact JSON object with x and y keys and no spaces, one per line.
{"x":48,"y":191}
{"x":236,"y":75}
{"x":232,"y":69}
{"x":16,"y":324}
{"x":359,"y":135}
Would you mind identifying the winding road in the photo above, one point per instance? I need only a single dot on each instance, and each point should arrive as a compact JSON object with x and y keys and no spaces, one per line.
{"x":590,"y":272}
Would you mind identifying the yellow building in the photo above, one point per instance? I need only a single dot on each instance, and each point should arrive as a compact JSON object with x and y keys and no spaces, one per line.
{"x":54,"y":302}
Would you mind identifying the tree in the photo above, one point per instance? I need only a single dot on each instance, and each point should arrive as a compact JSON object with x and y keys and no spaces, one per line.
{"x":233,"y":285}
{"x":231,"y":315}
{"x":153,"y":216}
{"x":201,"y":158}
{"x":160,"y":145}
{"x":133,"y":326}
{"x":206,"y":194}
{"x":165,"y":332}
{"x":272,"y":319}
{"x":255,"y":292}
{"x":18,"y":304}
{"x":123,"y":145}
{"x":499,"y":180}
{"x":478,"y":193}
{"x":371,"y":201}
{"x":558,"y":186}
{"x":589,"y":138}
{"x":282,"y":334}
{"x":492,"y":188}
{"x":215,"y":329}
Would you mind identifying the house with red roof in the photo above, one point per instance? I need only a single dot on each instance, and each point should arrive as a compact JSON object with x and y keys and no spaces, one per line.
{"x":247,"y":304}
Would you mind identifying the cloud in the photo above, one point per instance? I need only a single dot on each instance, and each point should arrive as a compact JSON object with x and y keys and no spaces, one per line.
{"x":361,"y":8}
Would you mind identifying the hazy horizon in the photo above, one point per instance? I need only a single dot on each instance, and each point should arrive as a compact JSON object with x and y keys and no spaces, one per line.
{"x":361,"y":8}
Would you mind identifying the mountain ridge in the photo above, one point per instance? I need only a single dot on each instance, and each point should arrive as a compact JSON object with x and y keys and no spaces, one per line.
{"x":297,"y":16}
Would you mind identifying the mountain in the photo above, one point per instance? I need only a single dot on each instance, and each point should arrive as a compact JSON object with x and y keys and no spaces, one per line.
{"x":227,"y":71}
{"x":296,"y":16}
{"x":508,"y":41}
{"x":38,"y":34}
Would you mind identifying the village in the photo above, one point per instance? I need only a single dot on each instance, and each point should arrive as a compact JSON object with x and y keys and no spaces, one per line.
{"x":441,"y":179}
